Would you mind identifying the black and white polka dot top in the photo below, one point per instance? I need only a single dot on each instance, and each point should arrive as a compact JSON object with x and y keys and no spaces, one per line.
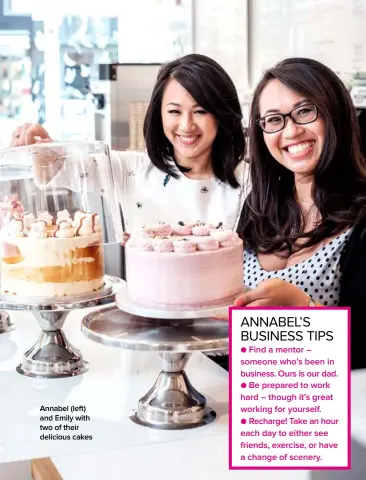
{"x":319,"y":276}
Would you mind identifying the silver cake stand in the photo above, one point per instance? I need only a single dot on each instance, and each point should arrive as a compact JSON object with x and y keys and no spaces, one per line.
{"x":172,"y":402}
{"x":52,"y":356}
{"x":6,"y":325}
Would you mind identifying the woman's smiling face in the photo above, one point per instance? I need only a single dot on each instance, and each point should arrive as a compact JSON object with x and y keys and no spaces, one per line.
{"x":296,"y":147}
{"x":190,"y":129}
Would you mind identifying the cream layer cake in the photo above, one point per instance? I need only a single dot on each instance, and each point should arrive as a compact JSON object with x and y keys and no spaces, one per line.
{"x":184,"y":266}
{"x":51,"y":257}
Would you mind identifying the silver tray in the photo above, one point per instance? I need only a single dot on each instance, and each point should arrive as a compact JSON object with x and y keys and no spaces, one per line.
{"x":61,"y":304}
{"x":113,"y":327}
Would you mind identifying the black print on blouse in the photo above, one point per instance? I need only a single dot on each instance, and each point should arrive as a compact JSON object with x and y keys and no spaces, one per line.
{"x":131,"y":173}
{"x":204,"y":190}
{"x":320,"y":281}
{"x":139,"y":204}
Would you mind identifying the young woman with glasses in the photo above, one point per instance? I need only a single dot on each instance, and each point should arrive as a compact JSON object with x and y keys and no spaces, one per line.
{"x":303,"y":222}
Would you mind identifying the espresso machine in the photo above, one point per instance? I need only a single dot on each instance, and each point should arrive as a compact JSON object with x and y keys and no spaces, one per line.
{"x":122,"y":94}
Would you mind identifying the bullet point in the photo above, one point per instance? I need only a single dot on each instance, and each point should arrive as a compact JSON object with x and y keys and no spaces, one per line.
{"x":243,"y":385}
{"x":243,"y":421}
{"x":243,"y":349}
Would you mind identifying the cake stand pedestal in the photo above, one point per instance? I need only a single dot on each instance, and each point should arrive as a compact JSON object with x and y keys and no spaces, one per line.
{"x":6,"y":325}
{"x":52,"y":356}
{"x":172,"y":403}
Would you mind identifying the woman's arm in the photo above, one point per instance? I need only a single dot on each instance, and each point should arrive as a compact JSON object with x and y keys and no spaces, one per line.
{"x":273,"y":292}
{"x":50,"y":168}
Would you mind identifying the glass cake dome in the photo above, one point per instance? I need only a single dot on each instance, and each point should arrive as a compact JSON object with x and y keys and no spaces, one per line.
{"x":60,"y":222}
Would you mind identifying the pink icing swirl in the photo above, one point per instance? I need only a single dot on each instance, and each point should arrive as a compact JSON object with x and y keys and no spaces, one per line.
{"x":222,"y":234}
{"x":17,"y":206}
{"x":201,"y":230}
{"x":229,"y":243}
{"x":163,"y":245}
{"x":182,"y":229}
{"x":208,"y":245}
{"x":184,"y":246}
{"x":194,"y":224}
{"x":144,"y":244}
{"x":8,"y":208}
{"x":10,"y":205}
{"x":162,"y":229}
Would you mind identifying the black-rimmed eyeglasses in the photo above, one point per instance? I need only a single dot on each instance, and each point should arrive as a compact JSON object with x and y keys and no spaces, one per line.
{"x":274,"y":122}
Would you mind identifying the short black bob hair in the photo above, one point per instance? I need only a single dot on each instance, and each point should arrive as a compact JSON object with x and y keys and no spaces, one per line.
{"x":212,"y":88}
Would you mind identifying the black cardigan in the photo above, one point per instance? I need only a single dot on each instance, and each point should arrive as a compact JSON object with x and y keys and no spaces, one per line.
{"x":353,"y":291}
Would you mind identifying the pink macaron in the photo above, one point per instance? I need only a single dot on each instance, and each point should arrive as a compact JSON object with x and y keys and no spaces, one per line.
{"x":184,"y":246}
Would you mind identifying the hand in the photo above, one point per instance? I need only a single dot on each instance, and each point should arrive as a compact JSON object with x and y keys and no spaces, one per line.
{"x":273,"y":292}
{"x":125,"y":237}
{"x":29,"y":134}
{"x":33,"y":133}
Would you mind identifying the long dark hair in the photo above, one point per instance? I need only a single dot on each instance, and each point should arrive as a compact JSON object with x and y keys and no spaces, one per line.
{"x":211,"y":87}
{"x":271,"y":220}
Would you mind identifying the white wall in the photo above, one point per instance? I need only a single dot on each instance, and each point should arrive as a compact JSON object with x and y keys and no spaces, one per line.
{"x":220,"y":31}
{"x":248,"y":36}
{"x":331,"y":31}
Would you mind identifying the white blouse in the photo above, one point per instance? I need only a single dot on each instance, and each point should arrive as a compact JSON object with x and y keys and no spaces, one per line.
{"x":147,"y":195}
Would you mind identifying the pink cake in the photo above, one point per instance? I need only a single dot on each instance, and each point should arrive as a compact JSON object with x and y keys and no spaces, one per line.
{"x":184,"y":266}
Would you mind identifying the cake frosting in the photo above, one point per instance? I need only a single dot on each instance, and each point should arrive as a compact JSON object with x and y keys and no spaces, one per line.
{"x":10,"y":208}
{"x":182,"y":266}
{"x":44,"y":256}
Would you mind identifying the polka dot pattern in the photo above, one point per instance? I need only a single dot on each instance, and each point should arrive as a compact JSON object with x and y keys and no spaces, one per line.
{"x":319,"y":276}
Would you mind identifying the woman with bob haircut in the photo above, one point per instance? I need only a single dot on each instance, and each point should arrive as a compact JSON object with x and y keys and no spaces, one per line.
{"x":193,"y":169}
{"x":303,"y":221}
